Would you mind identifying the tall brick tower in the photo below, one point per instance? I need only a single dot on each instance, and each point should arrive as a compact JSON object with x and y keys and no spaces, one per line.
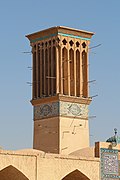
{"x":60,"y":89}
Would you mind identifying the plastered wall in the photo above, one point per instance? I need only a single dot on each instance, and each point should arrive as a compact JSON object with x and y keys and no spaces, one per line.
{"x":41,"y":166}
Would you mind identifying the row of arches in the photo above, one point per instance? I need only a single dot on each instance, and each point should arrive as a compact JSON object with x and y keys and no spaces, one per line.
{"x":13,"y":173}
{"x":75,"y":71}
{"x":59,"y":70}
{"x":57,"y":41}
{"x":44,"y":72}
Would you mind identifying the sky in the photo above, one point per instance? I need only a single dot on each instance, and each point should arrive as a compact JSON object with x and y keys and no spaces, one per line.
{"x":19,"y":18}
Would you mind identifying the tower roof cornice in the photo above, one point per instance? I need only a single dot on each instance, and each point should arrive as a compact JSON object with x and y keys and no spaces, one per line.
{"x":59,"y":30}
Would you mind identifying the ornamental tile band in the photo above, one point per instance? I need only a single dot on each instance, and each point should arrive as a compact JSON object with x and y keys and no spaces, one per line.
{"x":62,"y":109}
{"x":109,"y":164}
{"x":63,"y":34}
{"x":73,"y":109}
{"x":73,"y":36}
{"x":46,"y":110}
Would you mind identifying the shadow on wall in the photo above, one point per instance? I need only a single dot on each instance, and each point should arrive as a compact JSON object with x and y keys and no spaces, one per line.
{"x":12,"y":173}
{"x":76,"y":175}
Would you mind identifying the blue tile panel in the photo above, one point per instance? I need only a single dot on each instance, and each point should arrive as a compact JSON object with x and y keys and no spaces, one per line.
{"x":73,"y":109}
{"x":109,"y":164}
{"x":65,"y":109}
{"x":46,"y":110}
{"x":63,"y":34}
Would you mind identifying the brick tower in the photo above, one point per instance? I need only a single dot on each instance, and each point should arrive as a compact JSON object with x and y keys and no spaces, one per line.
{"x":60,"y":95}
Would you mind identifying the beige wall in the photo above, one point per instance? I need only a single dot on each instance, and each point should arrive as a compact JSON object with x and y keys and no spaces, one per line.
{"x":23,"y":162}
{"x":46,"y":135}
{"x":62,"y":135}
{"x":74,"y":134}
{"x":58,"y":168}
{"x":48,"y":166}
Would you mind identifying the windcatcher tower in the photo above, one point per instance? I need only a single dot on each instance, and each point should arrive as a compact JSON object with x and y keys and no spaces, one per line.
{"x":60,"y":96}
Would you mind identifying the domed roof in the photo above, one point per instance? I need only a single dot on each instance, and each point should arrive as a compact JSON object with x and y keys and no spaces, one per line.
{"x":85,"y":152}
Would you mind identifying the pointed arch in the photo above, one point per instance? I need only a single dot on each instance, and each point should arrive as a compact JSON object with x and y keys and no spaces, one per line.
{"x":76,"y":175}
{"x":65,"y":70}
{"x":46,"y":70}
{"x":11,"y":173}
{"x":85,"y":74}
{"x":71,"y":56}
{"x":78,"y":84}
{"x":54,"y":70}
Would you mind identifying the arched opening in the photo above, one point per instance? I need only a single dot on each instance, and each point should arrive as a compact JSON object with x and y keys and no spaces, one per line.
{"x":78,"y":73}
{"x":46,"y":71}
{"x":65,"y":70}
{"x":54,"y":70}
{"x":49,"y":71}
{"x":85,"y":74}
{"x":71,"y":56}
{"x":76,"y":175}
{"x":34,"y":74}
{"x":12,"y":173}
{"x":43,"y":72}
{"x":39,"y":70}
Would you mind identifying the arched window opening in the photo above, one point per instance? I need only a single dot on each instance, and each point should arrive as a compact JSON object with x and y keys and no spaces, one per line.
{"x":34,"y":74}
{"x":84,"y":45}
{"x":71,"y":56}
{"x":65,"y":70}
{"x":46,"y":44}
{"x":42,"y":45}
{"x":60,"y":69}
{"x":76,"y":175}
{"x":42,"y":72}
{"x":78,"y":73}
{"x":77,"y":44}
{"x":54,"y":70}
{"x":46,"y":71}
{"x":12,"y":173}
{"x":53,"y":41}
{"x":49,"y":73}
{"x":58,"y":40}
{"x":71,"y":43}
{"x":64,"y":42}
{"x":84,"y":74}
{"x":38,"y":70}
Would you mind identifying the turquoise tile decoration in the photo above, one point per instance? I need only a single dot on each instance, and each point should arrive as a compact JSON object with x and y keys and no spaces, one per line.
{"x":109,"y":164}
{"x":73,"y":109}
{"x":61,"y":108}
{"x":59,"y":33}
{"x":46,"y":110}
{"x":73,"y":36}
{"x":118,"y":140}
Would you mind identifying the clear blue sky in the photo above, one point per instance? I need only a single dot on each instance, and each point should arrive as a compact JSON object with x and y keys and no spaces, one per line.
{"x":18,"y":18}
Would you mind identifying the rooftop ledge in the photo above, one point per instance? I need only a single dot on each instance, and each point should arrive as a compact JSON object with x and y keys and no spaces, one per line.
{"x":60,"y":97}
{"x":60,"y":30}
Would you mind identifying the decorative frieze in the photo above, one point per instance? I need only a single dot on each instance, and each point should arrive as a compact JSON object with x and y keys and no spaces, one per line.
{"x":65,"y":109}
{"x":46,"y":110}
{"x":73,"y":109}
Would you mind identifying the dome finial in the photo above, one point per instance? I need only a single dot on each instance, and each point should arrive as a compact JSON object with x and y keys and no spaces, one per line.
{"x":115,"y":129}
